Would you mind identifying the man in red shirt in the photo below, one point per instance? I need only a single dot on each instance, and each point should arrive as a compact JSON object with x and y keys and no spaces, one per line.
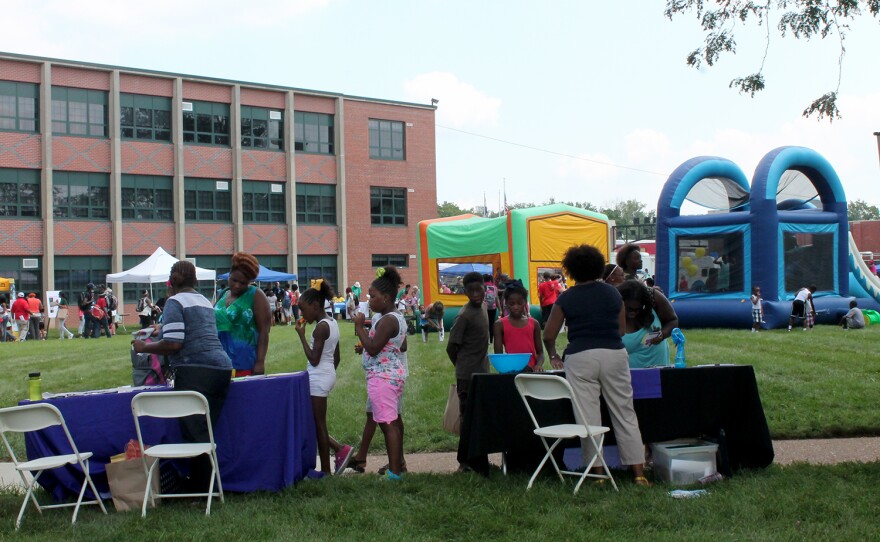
{"x":101,"y":322}
{"x":548,"y":291}
{"x":21,"y":312}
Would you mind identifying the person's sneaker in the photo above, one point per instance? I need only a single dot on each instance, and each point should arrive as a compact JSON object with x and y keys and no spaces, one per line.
{"x":343,"y":456}
{"x":393,"y":477}
{"x":384,"y":468}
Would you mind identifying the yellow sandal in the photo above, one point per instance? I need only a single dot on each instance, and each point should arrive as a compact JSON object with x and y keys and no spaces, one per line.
{"x":642,"y":481}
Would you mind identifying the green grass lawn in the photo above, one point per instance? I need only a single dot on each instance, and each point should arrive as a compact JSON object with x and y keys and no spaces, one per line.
{"x":817,"y":384}
{"x":814,"y":384}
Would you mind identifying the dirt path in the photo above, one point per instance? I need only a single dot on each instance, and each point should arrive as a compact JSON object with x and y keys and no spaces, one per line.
{"x":816,"y":452}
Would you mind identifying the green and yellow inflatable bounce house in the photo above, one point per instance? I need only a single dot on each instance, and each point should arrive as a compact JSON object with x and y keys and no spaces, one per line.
{"x":522,"y":244}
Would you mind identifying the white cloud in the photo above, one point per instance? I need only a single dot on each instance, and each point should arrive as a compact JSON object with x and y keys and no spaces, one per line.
{"x":461,"y":104}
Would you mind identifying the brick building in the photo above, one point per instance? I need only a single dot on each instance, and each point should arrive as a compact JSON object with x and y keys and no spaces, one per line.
{"x":99,"y":165}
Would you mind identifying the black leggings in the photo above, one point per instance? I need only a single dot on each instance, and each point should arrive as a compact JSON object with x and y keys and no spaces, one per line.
{"x":214,"y":385}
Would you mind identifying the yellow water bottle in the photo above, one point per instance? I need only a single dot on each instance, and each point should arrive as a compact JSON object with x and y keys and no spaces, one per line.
{"x":36,"y":386}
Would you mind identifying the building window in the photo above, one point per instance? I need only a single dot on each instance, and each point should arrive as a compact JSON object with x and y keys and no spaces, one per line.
{"x":313,"y":132}
{"x":147,"y":197}
{"x":207,"y":200}
{"x":388,"y":206}
{"x":19,"y":106}
{"x":316,"y":203}
{"x":76,"y":111}
{"x":387,"y":140}
{"x":145,"y":117}
{"x":206,"y":124}
{"x":315,"y":267}
{"x":26,"y":280}
{"x":19,"y":193}
{"x":397,"y":260}
{"x":80,"y":195}
{"x":262,"y":128}
{"x":263,"y":202}
{"x":72,"y":273}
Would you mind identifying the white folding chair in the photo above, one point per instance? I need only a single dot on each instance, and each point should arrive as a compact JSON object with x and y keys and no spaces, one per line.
{"x":34,"y":417}
{"x":550,"y":388}
{"x":175,"y":404}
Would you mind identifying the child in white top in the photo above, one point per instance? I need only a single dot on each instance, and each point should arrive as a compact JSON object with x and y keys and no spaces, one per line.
{"x":322,"y":353}
{"x":757,"y":309}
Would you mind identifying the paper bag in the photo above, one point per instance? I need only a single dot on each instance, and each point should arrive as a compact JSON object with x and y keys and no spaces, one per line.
{"x":128,"y":481}
{"x":451,"y":416}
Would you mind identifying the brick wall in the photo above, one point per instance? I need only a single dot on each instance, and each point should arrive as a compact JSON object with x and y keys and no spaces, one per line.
{"x":82,"y":238}
{"x":416,"y":172}
{"x":150,"y":86}
{"x":81,"y":154}
{"x":314,"y":104}
{"x":145,"y":158}
{"x":23,"y":72}
{"x":208,"y":239}
{"x":21,"y":238}
{"x":866,"y":234}
{"x":207,"y":92}
{"x":210,"y":162}
{"x":143,"y":238}
{"x":64,"y":76}
{"x":20,"y":150}
{"x":270,"y":239}
{"x":262,"y":98}
{"x":317,"y":240}
{"x":264,"y":165}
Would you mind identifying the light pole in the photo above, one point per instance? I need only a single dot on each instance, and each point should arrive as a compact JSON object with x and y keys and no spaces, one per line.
{"x":877,"y":135}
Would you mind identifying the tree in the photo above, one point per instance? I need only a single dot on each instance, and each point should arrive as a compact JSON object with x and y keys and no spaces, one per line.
{"x":448,"y":208}
{"x":801,"y":18}
{"x":861,"y":210}
{"x":626,"y":212}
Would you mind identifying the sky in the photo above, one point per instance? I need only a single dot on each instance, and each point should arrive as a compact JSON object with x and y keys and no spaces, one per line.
{"x":572,"y":100}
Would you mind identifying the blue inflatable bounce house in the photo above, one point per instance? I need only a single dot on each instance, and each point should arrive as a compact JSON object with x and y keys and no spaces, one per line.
{"x":786,"y":231}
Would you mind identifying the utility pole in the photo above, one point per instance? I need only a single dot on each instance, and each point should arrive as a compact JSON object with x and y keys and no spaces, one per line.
{"x":877,"y":135}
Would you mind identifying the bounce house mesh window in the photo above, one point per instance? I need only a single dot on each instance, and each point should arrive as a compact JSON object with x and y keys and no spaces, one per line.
{"x":710,"y":263}
{"x":718,"y":193}
{"x":451,"y":274}
{"x":809,"y":260}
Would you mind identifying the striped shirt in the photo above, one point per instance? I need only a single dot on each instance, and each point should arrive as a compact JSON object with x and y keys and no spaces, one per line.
{"x":188,"y":318}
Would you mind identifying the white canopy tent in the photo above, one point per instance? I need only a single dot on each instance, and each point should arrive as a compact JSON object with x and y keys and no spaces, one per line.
{"x":156,"y":268}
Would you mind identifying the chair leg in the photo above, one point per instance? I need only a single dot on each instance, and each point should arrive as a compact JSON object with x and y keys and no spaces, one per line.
{"x":549,"y":454}
{"x":211,"y":486}
{"x":148,"y":495}
{"x":82,"y":492}
{"x":29,"y":496}
{"x":217,"y":471}
{"x":94,"y":490}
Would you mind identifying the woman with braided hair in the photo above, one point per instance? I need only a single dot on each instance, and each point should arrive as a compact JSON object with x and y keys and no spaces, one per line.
{"x":243,"y":318}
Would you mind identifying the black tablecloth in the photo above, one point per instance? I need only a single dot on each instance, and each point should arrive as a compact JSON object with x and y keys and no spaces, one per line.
{"x":720,"y":402}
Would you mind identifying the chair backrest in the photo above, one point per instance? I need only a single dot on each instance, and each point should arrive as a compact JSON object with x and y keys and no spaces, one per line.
{"x":543,"y":387}
{"x":33,"y":417}
{"x":169,"y":404}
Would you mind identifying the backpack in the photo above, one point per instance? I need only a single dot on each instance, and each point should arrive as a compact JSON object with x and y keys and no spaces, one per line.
{"x":85,"y":301}
{"x":148,"y":369}
{"x":141,"y":305}
{"x":491,"y":296}
{"x":285,"y":300}
{"x":112,"y":302}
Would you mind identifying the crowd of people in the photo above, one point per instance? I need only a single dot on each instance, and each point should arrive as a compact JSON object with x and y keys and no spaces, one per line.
{"x":97,"y":310}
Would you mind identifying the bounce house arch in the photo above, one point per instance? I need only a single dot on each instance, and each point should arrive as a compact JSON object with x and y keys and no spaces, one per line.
{"x":800,"y":245}
{"x":694,"y":253}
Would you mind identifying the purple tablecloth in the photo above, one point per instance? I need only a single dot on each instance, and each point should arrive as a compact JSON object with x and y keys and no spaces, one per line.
{"x":265,"y":435}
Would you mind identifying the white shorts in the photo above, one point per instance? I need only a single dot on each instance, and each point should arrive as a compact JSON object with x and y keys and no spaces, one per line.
{"x":321,"y":384}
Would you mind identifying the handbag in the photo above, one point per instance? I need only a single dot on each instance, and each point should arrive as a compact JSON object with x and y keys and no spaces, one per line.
{"x":62,"y":314}
{"x":128,"y":482}
{"x":452,"y":416}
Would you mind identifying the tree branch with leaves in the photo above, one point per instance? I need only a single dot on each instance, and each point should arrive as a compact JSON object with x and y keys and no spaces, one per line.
{"x":803,"y":19}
